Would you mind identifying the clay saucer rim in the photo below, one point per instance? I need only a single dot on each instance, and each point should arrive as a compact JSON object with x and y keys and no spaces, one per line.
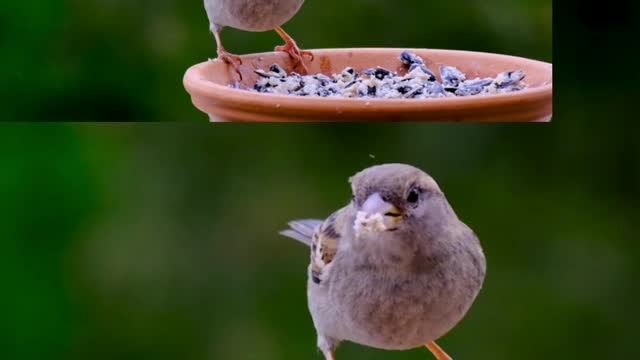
{"x":197,"y":84}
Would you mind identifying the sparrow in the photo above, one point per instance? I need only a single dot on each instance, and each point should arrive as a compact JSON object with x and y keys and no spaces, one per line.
{"x":395,"y":269}
{"x":257,"y":16}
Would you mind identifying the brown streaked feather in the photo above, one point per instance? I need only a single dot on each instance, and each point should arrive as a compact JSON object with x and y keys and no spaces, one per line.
{"x":322,"y":237}
{"x":324,"y":245}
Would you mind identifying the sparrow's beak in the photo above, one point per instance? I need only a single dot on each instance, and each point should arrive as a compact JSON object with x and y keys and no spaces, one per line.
{"x":376,"y":205}
{"x":376,"y":215}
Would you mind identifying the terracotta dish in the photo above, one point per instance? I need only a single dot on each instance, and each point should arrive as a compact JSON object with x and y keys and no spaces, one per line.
{"x":208,"y":85}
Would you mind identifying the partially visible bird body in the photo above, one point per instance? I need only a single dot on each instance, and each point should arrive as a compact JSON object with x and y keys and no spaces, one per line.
{"x":254,"y":15}
{"x":397,"y":289}
{"x":250,"y":15}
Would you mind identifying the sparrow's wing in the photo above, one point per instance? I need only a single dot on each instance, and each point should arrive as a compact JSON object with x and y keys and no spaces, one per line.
{"x":324,"y":246}
{"x":302,"y":230}
{"x":323,"y":240}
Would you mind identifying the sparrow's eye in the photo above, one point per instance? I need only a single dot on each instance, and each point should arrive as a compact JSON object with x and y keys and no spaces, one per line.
{"x":413,"y":196}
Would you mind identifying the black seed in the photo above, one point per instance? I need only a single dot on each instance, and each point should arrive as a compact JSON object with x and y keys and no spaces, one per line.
{"x":381,"y":73}
{"x":371,"y":90}
{"x":451,"y":77}
{"x":277,"y":69}
{"x":403,"y":89}
{"x":509,"y":78}
{"x":408,"y":58}
{"x":315,"y":279}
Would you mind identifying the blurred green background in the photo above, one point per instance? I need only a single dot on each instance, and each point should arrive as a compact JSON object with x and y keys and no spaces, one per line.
{"x":159,"y":241}
{"x":123,"y":60}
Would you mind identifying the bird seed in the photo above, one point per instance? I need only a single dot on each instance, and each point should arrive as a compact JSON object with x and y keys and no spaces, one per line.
{"x":418,"y":83}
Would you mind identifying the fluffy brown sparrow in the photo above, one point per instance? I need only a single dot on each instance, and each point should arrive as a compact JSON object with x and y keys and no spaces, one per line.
{"x":394,"y":269}
{"x":254,"y":15}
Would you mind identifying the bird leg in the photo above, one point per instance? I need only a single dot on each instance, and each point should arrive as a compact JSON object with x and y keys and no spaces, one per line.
{"x":328,"y":355}
{"x":437,"y":351}
{"x":291,"y":48}
{"x":234,"y":60}
{"x":327,"y":345}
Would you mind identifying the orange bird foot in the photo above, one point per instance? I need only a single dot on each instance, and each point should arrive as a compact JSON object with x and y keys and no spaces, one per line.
{"x":234,"y":60}
{"x":291,"y":48}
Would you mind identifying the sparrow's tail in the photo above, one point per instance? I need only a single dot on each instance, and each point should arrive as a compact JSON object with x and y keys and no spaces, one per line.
{"x":302,"y":230}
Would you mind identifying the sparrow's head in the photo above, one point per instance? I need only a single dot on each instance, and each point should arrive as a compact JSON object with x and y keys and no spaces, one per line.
{"x":393,"y":197}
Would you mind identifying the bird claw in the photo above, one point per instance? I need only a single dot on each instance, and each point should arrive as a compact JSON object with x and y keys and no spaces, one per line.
{"x":308,"y":53}
{"x":294,"y":49}
{"x":234,"y":60}
{"x":296,"y":54}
